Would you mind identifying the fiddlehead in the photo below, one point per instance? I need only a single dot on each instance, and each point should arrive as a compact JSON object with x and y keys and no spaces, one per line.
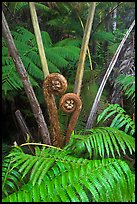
{"x":71,"y":103}
{"x":54,"y":84}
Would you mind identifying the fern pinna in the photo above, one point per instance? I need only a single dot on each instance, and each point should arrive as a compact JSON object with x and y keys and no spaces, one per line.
{"x":64,"y":54}
{"x":61,"y":175}
{"x":127,"y":83}
{"x":101,"y":143}
{"x":122,"y":119}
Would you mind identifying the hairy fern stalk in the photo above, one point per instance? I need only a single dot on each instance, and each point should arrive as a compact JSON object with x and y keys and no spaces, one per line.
{"x":88,"y":169}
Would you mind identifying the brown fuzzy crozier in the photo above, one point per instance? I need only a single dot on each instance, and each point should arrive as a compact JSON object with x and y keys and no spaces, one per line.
{"x":54,"y":84}
{"x":71,"y":103}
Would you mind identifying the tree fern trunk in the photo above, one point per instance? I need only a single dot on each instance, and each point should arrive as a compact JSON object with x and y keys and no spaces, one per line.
{"x":26,"y":83}
{"x":103,"y":83}
{"x":85,"y":41}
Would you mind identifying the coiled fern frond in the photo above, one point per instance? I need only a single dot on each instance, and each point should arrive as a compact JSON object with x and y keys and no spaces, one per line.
{"x":122,"y":119}
{"x":56,"y":176}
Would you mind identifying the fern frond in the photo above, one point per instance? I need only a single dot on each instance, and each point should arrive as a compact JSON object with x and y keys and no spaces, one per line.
{"x":17,"y":6}
{"x":4,"y":51}
{"x":32,"y":69}
{"x":21,"y":34}
{"x":120,"y":120}
{"x":55,"y":58}
{"x":127,"y":84}
{"x":11,"y":178}
{"x":76,"y":180}
{"x":104,"y":36}
{"x":103,"y":142}
{"x":6,"y":61}
{"x":58,"y":57}
{"x":47,"y":42}
{"x":56,"y":22}
{"x":10,"y":79}
{"x":52,"y":67}
{"x":68,"y":42}
{"x":68,"y":52}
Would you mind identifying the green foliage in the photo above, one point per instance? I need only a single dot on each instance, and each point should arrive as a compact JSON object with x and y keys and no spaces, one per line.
{"x":64,"y":19}
{"x":11,"y":178}
{"x":103,"y":36}
{"x":59,"y":56}
{"x":90,"y":168}
{"x":57,"y":176}
{"x":120,"y":120}
{"x":89,"y":90}
{"x":127,"y":84}
{"x":15,"y":7}
{"x":102,"y":142}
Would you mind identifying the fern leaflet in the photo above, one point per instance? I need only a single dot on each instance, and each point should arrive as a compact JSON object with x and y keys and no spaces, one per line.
{"x":120,"y":120}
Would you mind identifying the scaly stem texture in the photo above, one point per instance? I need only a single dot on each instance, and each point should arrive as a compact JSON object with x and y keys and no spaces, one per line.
{"x":54,"y":84}
{"x":71,"y":103}
{"x":26,"y":83}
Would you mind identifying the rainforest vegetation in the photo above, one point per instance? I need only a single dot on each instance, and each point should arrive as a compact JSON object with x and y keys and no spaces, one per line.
{"x":68,"y":102}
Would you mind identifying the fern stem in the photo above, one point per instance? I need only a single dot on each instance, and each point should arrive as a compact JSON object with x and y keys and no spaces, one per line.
{"x":89,"y":56}
{"x":38,"y":38}
{"x":85,"y":41}
{"x":25,"y":81}
{"x":39,"y":144}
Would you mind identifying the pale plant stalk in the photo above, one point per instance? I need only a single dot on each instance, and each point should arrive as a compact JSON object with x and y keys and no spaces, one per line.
{"x":38,"y":39}
{"x":83,"y":51}
{"x":89,"y":56}
{"x":107,"y":74}
{"x":25,"y":81}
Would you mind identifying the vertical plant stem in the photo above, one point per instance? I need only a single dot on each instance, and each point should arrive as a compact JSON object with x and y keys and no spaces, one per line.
{"x":89,"y":56}
{"x":38,"y":39}
{"x":23,"y":127}
{"x":26,"y":82}
{"x":85,"y":41}
{"x":103,"y":83}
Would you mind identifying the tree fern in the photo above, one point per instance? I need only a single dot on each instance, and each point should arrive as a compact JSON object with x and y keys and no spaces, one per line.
{"x":120,"y":120}
{"x":58,"y":57}
{"x":56,"y":176}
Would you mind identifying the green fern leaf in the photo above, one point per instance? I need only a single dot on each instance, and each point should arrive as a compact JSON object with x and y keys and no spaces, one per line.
{"x":86,"y":186}
{"x":47,"y":42}
{"x":102,"y":141}
{"x":120,"y":120}
{"x":127,"y":83}
{"x":68,"y":42}
{"x":55,"y":58}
